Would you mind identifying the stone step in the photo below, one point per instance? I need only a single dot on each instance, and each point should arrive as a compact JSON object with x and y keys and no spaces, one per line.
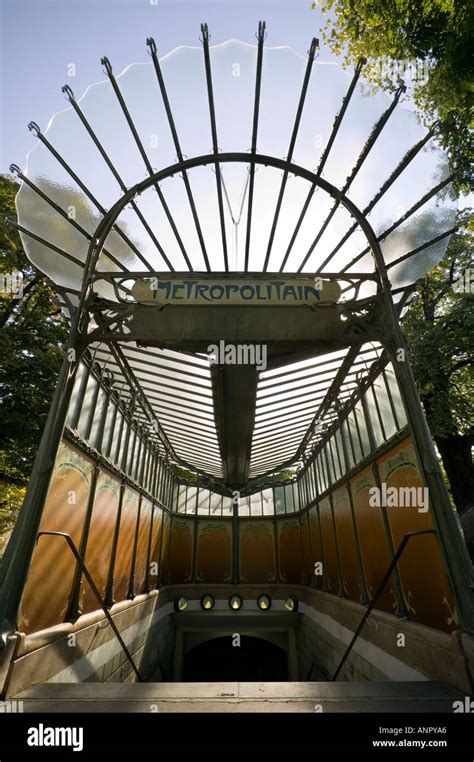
{"x":423,"y":696}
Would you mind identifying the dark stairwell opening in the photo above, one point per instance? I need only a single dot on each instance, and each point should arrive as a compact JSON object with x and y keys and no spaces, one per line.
{"x":218,"y":660}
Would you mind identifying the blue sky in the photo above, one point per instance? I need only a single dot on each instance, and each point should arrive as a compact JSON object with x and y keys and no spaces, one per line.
{"x":39,"y":38}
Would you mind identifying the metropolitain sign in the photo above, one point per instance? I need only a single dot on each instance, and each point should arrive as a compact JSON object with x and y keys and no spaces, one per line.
{"x":235,"y":290}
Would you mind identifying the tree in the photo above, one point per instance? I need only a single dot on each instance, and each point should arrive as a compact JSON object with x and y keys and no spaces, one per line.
{"x":32,"y":331}
{"x":439,"y":328}
{"x":436,"y":33}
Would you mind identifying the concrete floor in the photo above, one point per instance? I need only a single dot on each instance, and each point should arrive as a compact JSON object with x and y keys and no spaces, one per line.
{"x":424,"y":697}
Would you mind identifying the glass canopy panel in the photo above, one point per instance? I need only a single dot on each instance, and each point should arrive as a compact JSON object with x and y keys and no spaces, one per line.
{"x":91,"y":186}
{"x":178,"y":390}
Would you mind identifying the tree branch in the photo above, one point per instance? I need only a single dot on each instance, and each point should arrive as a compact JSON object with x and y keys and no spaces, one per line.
{"x":460,"y":364}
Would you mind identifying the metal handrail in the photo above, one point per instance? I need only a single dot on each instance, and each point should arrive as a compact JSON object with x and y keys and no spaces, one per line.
{"x":378,"y":593}
{"x":94,"y":589}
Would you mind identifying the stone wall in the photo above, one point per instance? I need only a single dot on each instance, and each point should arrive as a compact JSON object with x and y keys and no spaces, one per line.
{"x":388,"y":648}
{"x":88,"y":651}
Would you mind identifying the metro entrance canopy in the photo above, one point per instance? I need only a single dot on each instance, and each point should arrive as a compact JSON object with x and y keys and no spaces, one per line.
{"x":162,"y":208}
{"x":265,"y":215}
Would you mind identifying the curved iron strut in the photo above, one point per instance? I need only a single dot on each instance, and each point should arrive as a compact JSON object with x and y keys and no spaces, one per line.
{"x":108,"y":70}
{"x":291,"y":148}
{"x":324,"y":157}
{"x":174,"y":133}
{"x":253,"y":147}
{"x":215,"y":146}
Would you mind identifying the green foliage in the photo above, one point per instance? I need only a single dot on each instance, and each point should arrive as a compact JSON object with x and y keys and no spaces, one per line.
{"x":437,"y":32}
{"x":285,"y":476}
{"x":32,"y":330}
{"x":439,"y":327}
{"x":185,"y":474}
{"x":12,"y":493}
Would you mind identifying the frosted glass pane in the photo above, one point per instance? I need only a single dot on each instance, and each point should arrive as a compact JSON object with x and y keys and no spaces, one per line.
{"x":279,"y":500}
{"x":182,"y":496}
{"x":130,"y":451}
{"x":396,"y":397}
{"x":89,"y":397}
{"x":314,"y":480}
{"x":216,"y":504}
{"x":385,"y":408}
{"x":335,"y":460}
{"x":108,"y":427}
{"x":191,"y":501}
{"x":374,"y":417}
{"x":309,"y":484}
{"x":364,"y":435}
{"x":297,"y":496}
{"x":323,"y":471}
{"x":267,"y":502}
{"x":174,"y":496}
{"x":77,"y":386}
{"x":347,"y":439}
{"x":162,"y":485}
{"x":340,"y":448}
{"x":256,"y":504}
{"x":203,"y":501}
{"x":290,"y":501}
{"x":354,"y":437}
{"x":244,"y":506}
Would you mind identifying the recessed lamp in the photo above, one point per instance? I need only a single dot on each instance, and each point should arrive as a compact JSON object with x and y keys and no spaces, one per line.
{"x":180,"y":603}
{"x":207,"y":602}
{"x":291,"y":603}
{"x":264,"y":602}
{"x":235,"y":602}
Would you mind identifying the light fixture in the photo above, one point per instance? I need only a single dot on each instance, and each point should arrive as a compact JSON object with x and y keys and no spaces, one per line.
{"x":264,"y":602}
{"x":180,"y":603}
{"x":235,"y":602}
{"x":207,"y":602}
{"x":291,"y":603}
